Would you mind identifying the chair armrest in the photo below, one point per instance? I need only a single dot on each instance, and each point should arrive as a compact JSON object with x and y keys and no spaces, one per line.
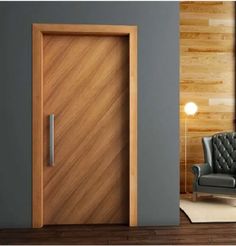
{"x":201,"y":169}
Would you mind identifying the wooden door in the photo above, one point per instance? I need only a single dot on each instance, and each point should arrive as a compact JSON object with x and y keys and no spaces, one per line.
{"x":86,"y":87}
{"x":87,"y":80}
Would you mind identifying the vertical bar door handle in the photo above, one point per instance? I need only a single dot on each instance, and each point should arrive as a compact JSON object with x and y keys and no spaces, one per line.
{"x":51,"y":140}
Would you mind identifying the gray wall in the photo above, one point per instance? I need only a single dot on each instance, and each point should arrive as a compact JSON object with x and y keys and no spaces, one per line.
{"x":158,"y":75}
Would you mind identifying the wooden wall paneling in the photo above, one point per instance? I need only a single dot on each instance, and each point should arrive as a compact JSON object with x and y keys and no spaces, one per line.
{"x":207,"y":77}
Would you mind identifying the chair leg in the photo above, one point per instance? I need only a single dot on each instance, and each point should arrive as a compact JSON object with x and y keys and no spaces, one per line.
{"x":194,"y":196}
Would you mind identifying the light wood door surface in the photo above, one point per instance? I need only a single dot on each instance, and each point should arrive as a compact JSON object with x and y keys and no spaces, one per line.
{"x":86,"y":87}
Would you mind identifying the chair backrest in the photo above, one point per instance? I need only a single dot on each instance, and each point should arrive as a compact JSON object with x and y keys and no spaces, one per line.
{"x":224,"y":152}
{"x":207,"y":149}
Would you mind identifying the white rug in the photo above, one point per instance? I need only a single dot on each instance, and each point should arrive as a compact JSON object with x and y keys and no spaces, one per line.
{"x":206,"y":209}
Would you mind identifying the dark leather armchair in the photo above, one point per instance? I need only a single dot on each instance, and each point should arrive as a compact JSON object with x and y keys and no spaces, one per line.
{"x":218,"y":174}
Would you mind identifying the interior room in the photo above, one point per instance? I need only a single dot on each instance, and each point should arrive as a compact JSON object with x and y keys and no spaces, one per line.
{"x":118,"y":122}
{"x":207,"y":110}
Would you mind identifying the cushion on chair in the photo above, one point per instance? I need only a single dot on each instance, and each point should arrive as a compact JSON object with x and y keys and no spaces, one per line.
{"x":218,"y":180}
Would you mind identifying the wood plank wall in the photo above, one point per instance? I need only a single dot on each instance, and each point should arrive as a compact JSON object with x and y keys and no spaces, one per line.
{"x":206,"y":75}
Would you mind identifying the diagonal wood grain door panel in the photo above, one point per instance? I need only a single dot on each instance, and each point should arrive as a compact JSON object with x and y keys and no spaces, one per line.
{"x":86,"y":87}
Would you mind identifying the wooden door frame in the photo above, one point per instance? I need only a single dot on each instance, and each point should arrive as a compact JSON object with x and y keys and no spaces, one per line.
{"x":37,"y":108}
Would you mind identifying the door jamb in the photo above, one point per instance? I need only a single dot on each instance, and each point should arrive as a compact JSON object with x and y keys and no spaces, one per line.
{"x":37,"y":108}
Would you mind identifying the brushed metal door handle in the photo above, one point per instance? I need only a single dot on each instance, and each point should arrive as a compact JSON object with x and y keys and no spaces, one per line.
{"x":51,"y":140}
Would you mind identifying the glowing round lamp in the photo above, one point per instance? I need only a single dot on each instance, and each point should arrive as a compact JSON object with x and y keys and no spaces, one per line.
{"x":190,"y":108}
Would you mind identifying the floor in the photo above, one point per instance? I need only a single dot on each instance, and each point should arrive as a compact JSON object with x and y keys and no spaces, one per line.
{"x":186,"y":233}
